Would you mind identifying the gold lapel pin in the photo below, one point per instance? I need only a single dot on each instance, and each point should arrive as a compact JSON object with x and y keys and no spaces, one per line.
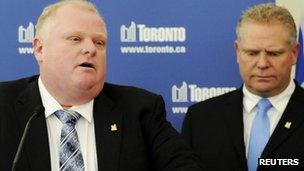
{"x":113,"y":127}
{"x":287,"y":125}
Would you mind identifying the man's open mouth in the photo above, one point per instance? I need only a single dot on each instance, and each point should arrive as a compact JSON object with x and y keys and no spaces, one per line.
{"x":87,"y":65}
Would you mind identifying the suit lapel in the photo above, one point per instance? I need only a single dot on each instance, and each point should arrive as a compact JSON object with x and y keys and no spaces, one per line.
{"x":294,"y":113}
{"x":108,"y":130}
{"x":233,"y":113}
{"x":36,"y":144}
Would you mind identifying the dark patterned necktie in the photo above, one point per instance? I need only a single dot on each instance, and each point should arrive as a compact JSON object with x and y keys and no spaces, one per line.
{"x":70,"y":157}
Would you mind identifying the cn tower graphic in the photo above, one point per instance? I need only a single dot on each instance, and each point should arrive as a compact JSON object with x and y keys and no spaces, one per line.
{"x":128,"y":34}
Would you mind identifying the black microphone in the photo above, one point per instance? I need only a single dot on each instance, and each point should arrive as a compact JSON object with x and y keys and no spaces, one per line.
{"x":37,"y":111}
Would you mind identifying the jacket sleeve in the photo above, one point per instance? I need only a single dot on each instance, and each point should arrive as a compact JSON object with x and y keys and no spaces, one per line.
{"x":168,"y":149}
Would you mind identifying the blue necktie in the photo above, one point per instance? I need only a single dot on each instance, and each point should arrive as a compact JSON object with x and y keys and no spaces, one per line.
{"x":70,"y":157}
{"x":260,"y":133}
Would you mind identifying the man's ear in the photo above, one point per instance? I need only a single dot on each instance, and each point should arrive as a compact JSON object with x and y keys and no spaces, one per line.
{"x":38,"y":46}
{"x":295,"y":53}
{"x":237,"y":50}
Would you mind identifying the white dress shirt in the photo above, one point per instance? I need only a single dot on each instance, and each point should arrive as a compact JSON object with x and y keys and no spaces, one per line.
{"x":84,"y":128}
{"x":279,"y":103}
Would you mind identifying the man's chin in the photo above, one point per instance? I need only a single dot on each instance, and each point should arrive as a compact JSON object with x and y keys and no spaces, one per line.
{"x":261,"y":88}
{"x":86,"y":83}
{"x":266,"y":91}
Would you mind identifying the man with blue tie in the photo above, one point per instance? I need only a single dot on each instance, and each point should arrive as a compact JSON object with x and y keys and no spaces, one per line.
{"x":87,"y":124}
{"x":261,"y":125}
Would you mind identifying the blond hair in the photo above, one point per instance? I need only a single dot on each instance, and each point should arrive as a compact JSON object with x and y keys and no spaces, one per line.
{"x":269,"y":13}
{"x":45,"y":21}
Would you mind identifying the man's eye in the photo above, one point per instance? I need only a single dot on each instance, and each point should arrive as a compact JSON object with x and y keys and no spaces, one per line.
{"x":273,"y":53}
{"x":251,"y":53}
{"x":75,"y":39}
{"x":100,"y":43}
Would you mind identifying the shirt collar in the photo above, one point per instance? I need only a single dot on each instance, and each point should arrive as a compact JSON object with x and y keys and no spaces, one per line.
{"x":279,"y":102}
{"x":51,"y":105}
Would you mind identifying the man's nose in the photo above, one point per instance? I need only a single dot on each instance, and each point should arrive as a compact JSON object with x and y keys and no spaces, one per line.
{"x":262,"y":61}
{"x":88,"y":47}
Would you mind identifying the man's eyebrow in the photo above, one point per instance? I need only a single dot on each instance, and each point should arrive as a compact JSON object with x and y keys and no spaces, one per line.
{"x":100,"y":35}
{"x":95,"y":35}
{"x":68,"y":34}
{"x":279,"y":51}
{"x":250,"y":49}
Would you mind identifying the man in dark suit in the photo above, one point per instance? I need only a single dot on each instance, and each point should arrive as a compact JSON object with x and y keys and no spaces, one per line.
{"x":87,"y":124}
{"x":265,"y":117}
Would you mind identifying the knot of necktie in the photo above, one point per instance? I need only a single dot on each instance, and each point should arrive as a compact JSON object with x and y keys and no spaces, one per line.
{"x":264,"y":104}
{"x":67,"y":116}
